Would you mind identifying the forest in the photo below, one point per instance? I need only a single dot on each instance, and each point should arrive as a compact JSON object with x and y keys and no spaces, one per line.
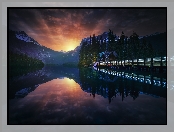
{"x":22,"y":64}
{"x":118,"y":49}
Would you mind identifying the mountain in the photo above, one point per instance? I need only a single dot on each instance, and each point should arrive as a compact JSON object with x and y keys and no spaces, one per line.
{"x":21,"y":35}
{"x":158,"y":41}
{"x":20,"y":43}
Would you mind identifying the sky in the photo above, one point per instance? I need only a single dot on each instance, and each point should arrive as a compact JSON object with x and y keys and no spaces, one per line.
{"x":64,"y":28}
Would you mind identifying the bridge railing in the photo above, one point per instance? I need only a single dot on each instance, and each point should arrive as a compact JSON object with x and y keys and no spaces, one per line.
{"x":156,"y":61}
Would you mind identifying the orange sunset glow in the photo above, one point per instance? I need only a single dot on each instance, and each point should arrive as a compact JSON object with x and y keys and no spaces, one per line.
{"x":63,"y":29}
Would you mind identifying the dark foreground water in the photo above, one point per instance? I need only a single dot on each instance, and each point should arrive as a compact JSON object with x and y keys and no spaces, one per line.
{"x":60,"y":95}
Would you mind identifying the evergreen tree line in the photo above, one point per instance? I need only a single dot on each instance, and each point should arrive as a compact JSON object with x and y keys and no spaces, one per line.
{"x":126,"y":48}
{"x":22,"y":60}
{"x":20,"y":64}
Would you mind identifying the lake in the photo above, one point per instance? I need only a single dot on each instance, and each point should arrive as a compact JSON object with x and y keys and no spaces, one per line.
{"x":61,"y":95}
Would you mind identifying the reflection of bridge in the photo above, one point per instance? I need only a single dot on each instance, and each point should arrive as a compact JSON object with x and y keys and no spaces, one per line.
{"x":110,"y":84}
{"x":105,"y":82}
{"x":132,"y":76}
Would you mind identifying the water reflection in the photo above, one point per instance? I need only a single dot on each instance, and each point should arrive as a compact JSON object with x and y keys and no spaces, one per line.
{"x":61,"y":95}
{"x":110,"y":84}
{"x":106,"y":83}
{"x":20,"y":86}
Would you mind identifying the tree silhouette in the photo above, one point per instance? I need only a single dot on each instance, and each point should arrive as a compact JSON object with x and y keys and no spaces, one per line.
{"x":126,"y":48}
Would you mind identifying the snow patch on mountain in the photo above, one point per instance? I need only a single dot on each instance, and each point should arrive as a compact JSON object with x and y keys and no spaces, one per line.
{"x":21,"y":35}
{"x":21,"y":43}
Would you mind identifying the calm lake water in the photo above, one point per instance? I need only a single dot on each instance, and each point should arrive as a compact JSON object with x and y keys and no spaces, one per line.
{"x":61,"y":95}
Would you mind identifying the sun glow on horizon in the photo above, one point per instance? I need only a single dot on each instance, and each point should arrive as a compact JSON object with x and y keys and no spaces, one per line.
{"x":65,"y":46}
{"x":71,"y":45}
{"x":63,"y":29}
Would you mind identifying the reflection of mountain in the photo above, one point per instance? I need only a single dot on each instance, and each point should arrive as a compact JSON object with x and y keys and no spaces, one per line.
{"x":28,"y":82}
{"x":90,"y":80}
{"x":21,"y":43}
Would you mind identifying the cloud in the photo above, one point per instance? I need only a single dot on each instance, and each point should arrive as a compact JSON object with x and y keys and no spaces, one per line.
{"x":57,"y":26}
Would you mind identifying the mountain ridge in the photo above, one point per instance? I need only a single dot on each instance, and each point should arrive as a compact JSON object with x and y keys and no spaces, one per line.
{"x":21,"y":43}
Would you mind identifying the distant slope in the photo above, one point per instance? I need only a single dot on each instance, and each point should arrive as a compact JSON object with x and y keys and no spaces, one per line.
{"x":21,"y":43}
{"x":158,"y":41}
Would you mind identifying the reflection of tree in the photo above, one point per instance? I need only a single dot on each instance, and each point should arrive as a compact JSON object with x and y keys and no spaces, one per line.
{"x":110,"y":86}
{"x":105,"y":85}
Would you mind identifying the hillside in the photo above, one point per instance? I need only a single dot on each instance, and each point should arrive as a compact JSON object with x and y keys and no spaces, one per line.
{"x":20,"y":43}
{"x":158,"y":41}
